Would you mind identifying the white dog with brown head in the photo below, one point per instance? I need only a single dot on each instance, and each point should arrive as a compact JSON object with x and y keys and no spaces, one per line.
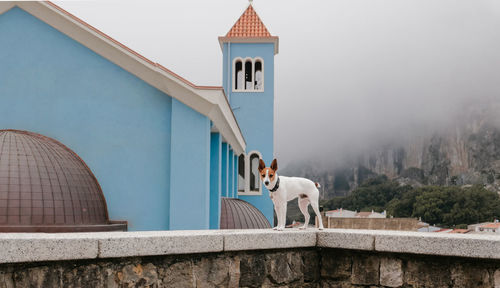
{"x":283,"y":189}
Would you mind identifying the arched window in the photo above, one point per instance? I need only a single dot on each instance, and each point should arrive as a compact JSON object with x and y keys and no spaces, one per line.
{"x":258,"y":80}
{"x":241,"y":173}
{"x":248,"y":74}
{"x":248,"y":174}
{"x":254,"y":172}
{"x":238,"y":72}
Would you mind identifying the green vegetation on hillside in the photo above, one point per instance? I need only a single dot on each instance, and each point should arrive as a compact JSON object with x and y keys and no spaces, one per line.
{"x":447,"y":206}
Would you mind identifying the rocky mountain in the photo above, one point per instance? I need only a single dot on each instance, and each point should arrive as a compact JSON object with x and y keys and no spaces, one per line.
{"x":465,"y":151}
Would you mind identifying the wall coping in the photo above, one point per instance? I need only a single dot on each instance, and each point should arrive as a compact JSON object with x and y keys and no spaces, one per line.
{"x":34,"y":247}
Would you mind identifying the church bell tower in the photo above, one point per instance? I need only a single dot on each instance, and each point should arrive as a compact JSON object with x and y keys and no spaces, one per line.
{"x":248,"y":80}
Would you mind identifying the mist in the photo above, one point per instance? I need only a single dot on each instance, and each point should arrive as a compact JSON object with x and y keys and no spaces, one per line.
{"x":351,"y":75}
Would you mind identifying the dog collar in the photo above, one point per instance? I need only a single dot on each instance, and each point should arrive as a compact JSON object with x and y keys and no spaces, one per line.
{"x":276,"y":186}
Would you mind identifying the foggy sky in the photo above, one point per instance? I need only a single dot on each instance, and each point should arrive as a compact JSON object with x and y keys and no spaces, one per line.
{"x":350,"y":74}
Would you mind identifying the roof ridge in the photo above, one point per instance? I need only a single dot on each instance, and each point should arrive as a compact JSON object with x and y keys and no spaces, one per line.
{"x":158,"y":65}
{"x":249,"y":24}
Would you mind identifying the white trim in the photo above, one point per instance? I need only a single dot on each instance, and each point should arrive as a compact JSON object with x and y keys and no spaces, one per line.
{"x":272,"y":39}
{"x":250,"y":193}
{"x":247,"y":175}
{"x":6,"y":6}
{"x":209,"y":101}
{"x":262,"y":71}
{"x":234,"y":78}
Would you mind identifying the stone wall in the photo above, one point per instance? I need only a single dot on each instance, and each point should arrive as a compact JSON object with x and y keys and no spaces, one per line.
{"x":267,"y":268}
{"x":400,"y":224}
{"x":251,"y":258}
{"x":307,"y":267}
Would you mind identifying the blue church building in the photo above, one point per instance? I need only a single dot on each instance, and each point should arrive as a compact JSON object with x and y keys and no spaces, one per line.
{"x":166,"y":153}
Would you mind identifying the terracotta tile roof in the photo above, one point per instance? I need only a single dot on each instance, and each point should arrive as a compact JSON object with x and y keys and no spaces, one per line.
{"x":491,"y":225}
{"x":460,"y":231}
{"x":331,"y":211}
{"x":364,"y":214}
{"x":249,"y":25}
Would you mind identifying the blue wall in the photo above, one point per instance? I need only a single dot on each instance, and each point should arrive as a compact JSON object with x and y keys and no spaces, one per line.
{"x":215,"y":179}
{"x":252,"y":109}
{"x":230,"y":172}
{"x":190,"y":171}
{"x":224,"y":169}
{"x":235,"y":177}
{"x":118,"y":124}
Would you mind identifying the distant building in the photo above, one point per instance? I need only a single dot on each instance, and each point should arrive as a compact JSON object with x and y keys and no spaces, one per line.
{"x":488,"y":227}
{"x":371,"y":214}
{"x":341,"y":213}
{"x":344,"y":213}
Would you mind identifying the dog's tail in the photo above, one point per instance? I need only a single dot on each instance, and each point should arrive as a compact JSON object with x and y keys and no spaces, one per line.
{"x":317,"y":185}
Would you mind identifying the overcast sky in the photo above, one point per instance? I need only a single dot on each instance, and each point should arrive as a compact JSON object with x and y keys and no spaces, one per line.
{"x":349,"y":73}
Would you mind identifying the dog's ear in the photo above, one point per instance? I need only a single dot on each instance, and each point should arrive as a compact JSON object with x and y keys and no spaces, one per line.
{"x":274,"y":165}
{"x":262,"y":165}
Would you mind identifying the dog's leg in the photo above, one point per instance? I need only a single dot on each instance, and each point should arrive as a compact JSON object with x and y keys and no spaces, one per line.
{"x":277,"y":210}
{"x":315,"y":207}
{"x":303,"y":203}
{"x":282,"y":218}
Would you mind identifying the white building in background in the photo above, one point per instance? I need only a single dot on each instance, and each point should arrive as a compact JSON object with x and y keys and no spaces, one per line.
{"x":341,"y":213}
{"x":488,"y":227}
{"x":344,"y":213}
{"x":371,"y":214}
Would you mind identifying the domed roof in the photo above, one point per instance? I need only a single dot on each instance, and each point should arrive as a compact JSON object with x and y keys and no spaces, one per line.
{"x":46,"y":187}
{"x":239,"y":214}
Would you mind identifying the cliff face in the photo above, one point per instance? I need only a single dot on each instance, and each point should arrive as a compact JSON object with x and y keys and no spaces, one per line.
{"x":465,"y":152}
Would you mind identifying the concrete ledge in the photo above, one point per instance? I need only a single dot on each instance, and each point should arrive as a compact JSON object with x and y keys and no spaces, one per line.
{"x":30,"y":247}
{"x":347,"y":239}
{"x":126,"y":244}
{"x":462,"y":245}
{"x":237,"y":240}
{"x":33,"y":247}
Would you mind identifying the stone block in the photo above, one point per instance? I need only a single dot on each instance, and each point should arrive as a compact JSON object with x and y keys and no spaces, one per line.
{"x":33,"y":247}
{"x":336,"y":265}
{"x":496,"y":278}
{"x":284,"y":268}
{"x":346,"y":239}
{"x":311,"y":267}
{"x":462,"y":245}
{"x":365,"y":269}
{"x":126,"y":244}
{"x":391,"y":272}
{"x":237,"y":240}
{"x":422,"y":273}
{"x":179,"y":274}
{"x":252,"y":270}
{"x":214,"y":272}
{"x":470,"y":275}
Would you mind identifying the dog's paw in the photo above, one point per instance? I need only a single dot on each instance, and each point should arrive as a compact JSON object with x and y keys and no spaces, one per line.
{"x":275,"y":228}
{"x":302,"y":227}
{"x":321,"y":228}
{"x":281,"y":228}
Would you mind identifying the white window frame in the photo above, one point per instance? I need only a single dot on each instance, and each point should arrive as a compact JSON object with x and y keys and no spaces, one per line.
{"x":243,"y":61}
{"x":247,"y":176}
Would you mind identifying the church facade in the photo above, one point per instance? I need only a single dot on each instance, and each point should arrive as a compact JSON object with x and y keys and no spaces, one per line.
{"x":164,"y":151}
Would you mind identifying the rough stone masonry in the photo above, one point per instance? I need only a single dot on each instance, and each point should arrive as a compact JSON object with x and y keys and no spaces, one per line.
{"x":306,"y":267}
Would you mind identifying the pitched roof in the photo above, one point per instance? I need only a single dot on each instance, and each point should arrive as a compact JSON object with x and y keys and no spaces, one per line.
{"x":207,"y":100}
{"x":249,"y":29}
{"x":364,"y":214}
{"x":249,"y":25}
{"x":491,"y":225}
